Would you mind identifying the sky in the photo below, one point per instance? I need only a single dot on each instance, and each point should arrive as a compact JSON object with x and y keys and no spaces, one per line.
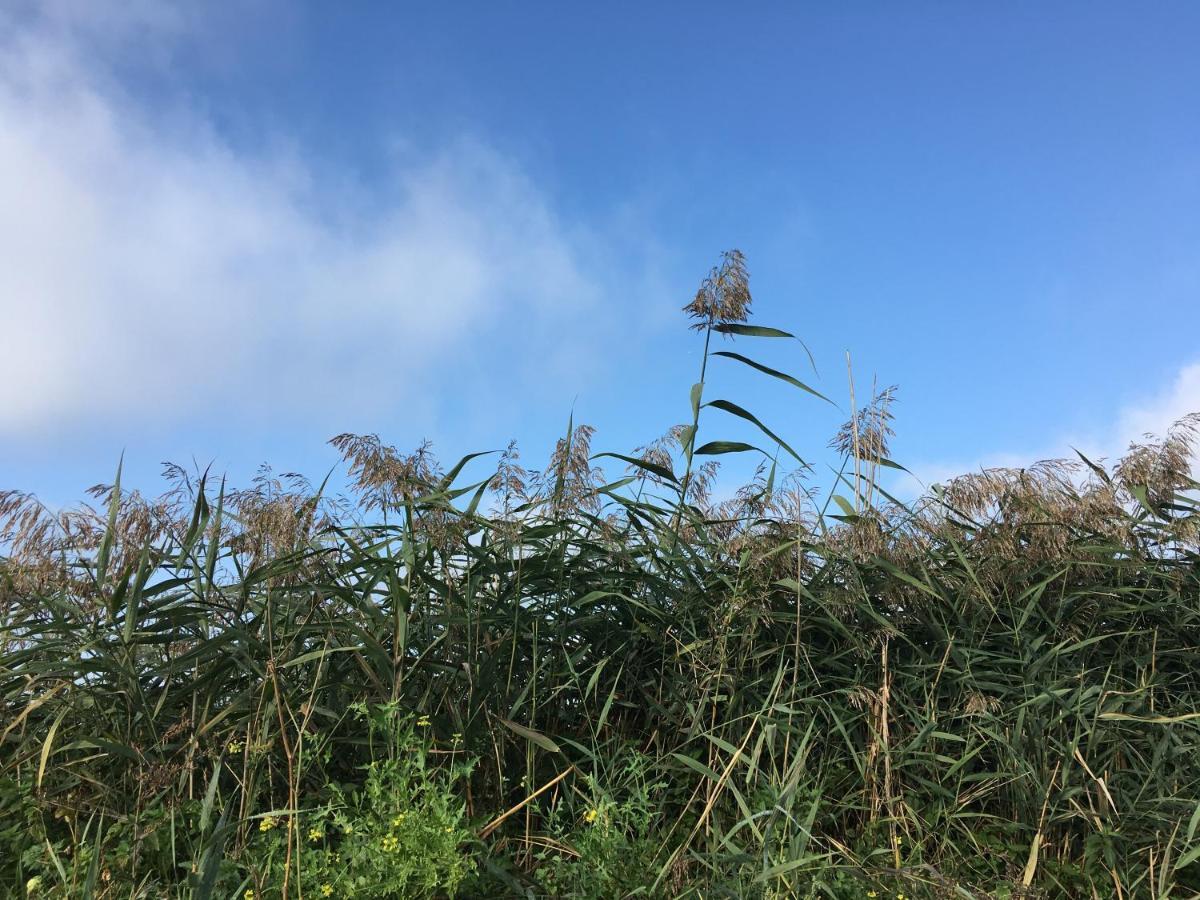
{"x":231,"y":231}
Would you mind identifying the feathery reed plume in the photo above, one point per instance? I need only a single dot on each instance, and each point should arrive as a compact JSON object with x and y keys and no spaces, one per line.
{"x":864,"y":439}
{"x":723,"y":298}
{"x":1161,"y":466}
{"x":277,"y":516}
{"x":867,"y":433}
{"x":381,"y":476}
{"x":510,"y":480}
{"x":569,"y":480}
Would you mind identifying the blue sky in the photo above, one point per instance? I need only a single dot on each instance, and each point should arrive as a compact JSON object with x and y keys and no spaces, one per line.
{"x":231,"y":231}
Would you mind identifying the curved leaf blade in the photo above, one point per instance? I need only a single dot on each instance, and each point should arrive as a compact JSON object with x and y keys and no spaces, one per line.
{"x":734,"y":409}
{"x":774,"y":373}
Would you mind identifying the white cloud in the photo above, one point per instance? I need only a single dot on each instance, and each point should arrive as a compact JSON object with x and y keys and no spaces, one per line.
{"x":148,"y":264}
{"x":1152,"y":415}
{"x":1157,"y":413}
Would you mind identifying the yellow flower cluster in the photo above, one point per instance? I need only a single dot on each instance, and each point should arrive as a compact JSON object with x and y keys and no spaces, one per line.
{"x":423,"y":722}
{"x":391,"y":843}
{"x":327,"y":890}
{"x":591,"y":816}
{"x":267,"y":824}
{"x":315,"y":834}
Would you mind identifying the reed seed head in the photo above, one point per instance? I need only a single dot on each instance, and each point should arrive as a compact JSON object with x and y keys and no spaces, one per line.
{"x":724,"y":296}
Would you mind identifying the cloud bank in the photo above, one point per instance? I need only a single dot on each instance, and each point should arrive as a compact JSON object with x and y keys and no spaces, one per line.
{"x":147,"y":264}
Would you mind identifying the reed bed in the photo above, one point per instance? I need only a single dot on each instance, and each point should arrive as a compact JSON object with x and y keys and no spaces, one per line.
{"x":598,"y":679}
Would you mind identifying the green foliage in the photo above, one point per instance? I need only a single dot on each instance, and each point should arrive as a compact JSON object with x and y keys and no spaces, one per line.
{"x":497,"y":682}
{"x":602,"y":841}
{"x":401,"y":834}
{"x":19,"y":852}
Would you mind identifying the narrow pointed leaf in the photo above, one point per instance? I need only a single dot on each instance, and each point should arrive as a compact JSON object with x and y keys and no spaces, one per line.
{"x":713,"y":448}
{"x":736,"y":410}
{"x":659,"y":470}
{"x":774,"y":373}
{"x":106,"y":543}
{"x":535,"y":737}
{"x":752,"y":330}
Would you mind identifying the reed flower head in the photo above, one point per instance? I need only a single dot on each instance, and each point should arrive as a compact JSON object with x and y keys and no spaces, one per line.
{"x":724,"y":296}
{"x":868,"y":432}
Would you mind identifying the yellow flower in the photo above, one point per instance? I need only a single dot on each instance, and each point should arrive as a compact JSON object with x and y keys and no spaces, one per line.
{"x":327,"y":890}
{"x":267,"y":824}
{"x":398,"y":821}
{"x":899,"y":897}
{"x":590,"y":816}
{"x":872,"y":894}
{"x":315,"y":834}
{"x":423,"y":722}
{"x":235,"y":746}
{"x":249,"y":895}
{"x":390,"y":844}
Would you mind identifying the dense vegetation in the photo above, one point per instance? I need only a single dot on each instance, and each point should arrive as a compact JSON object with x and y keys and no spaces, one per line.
{"x":541,"y":684}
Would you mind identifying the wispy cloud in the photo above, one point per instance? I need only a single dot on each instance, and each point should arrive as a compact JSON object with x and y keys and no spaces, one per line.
{"x":1151,"y":415}
{"x":1158,"y":412}
{"x":147,"y":263}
